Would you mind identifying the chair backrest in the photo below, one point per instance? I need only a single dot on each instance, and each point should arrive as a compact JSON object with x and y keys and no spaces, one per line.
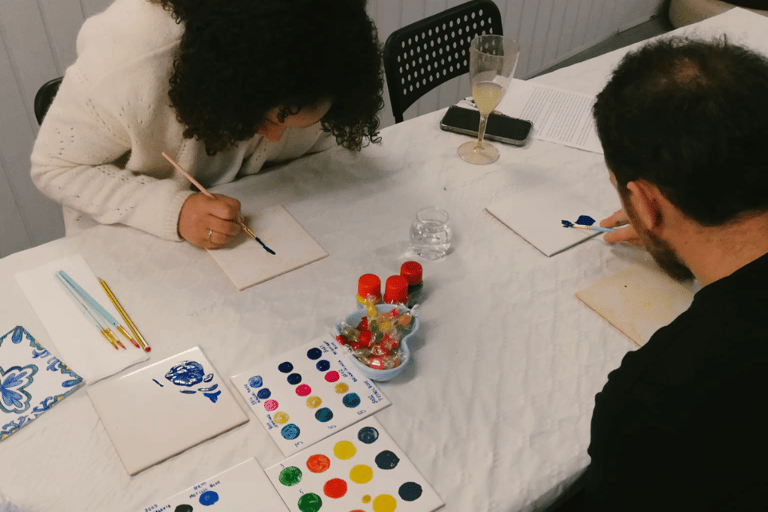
{"x":44,"y":98}
{"x":427,"y":53}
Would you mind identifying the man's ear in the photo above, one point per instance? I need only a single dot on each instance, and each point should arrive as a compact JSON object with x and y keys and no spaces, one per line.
{"x":647,"y":203}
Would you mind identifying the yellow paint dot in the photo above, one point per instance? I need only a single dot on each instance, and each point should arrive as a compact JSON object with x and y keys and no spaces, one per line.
{"x":342,"y":387}
{"x":280,"y":417}
{"x":367,"y":498}
{"x":361,"y":474}
{"x":313,"y":401}
{"x":344,"y":450}
{"x":384,"y":503}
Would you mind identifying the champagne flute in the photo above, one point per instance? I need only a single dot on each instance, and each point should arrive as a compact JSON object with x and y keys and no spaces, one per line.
{"x":492,"y":62}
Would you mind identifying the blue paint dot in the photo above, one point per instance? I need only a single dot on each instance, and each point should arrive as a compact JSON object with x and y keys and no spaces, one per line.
{"x":351,"y":400}
{"x":410,"y":491}
{"x":314,"y":353}
{"x":256,"y":382}
{"x":323,"y":365}
{"x":368,"y":435}
{"x":208,"y":498}
{"x":264,"y":393}
{"x":285,"y":367}
{"x":324,"y":415}
{"x":387,"y":460}
{"x":294,"y":378}
{"x":290,"y":431}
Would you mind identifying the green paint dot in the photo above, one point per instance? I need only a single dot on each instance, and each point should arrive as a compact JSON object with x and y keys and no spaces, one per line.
{"x":310,"y":502}
{"x":290,"y":476}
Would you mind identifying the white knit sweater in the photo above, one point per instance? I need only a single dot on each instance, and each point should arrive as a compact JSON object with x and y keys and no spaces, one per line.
{"x":98,"y":152}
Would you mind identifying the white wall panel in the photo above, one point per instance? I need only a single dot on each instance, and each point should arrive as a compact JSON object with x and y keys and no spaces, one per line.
{"x":37,"y":43}
{"x":35,"y":214}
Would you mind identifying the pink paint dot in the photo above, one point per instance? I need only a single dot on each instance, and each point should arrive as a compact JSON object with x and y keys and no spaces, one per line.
{"x":332,"y":376}
{"x":303,"y":390}
{"x":271,"y":405}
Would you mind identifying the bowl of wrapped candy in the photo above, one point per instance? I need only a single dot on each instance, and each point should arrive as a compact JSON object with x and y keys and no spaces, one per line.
{"x":377,"y":339}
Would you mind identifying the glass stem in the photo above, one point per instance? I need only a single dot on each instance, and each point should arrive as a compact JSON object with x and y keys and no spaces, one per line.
{"x":481,"y":131}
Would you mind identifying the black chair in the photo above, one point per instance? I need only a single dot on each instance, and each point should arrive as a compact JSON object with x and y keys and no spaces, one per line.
{"x":425,"y":54}
{"x":44,"y":98}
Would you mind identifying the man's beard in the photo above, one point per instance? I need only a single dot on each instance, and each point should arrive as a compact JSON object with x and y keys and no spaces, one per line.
{"x":665,"y":257}
{"x":660,"y":250}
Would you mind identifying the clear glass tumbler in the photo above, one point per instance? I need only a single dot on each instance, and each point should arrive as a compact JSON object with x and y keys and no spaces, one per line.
{"x":430,"y":233}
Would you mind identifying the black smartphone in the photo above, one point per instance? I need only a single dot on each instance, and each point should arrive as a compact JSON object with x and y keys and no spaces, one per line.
{"x":500,"y":128}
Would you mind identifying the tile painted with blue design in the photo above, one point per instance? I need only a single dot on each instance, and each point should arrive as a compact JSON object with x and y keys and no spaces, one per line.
{"x":177,"y":403}
{"x":32,"y":380}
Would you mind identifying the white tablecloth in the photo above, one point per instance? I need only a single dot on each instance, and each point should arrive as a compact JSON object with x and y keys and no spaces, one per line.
{"x":495,"y":409}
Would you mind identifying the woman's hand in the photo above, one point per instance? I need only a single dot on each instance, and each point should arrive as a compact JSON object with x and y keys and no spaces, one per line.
{"x":627,"y":234}
{"x":209,"y":223}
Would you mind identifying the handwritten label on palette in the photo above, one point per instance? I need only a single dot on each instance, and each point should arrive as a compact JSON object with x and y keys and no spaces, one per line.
{"x":358,"y":468}
{"x":243,"y":488}
{"x":307,"y":394}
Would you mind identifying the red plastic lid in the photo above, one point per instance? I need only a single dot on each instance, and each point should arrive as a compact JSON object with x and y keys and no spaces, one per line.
{"x":411,"y":270}
{"x":369,"y":285}
{"x":396,"y":290}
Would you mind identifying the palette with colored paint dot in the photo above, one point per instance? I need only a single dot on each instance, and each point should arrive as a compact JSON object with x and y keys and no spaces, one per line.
{"x":308,"y":393}
{"x":358,"y":469}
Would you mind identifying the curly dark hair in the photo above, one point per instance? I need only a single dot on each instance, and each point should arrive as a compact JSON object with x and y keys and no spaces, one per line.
{"x":691,"y":117}
{"x":239,"y":59}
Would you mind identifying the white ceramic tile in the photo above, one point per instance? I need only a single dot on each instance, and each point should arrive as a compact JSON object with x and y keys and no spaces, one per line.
{"x":536,"y":215}
{"x":164,"y":408}
{"x":308,"y":393}
{"x":242,"y":488}
{"x":358,"y":468}
{"x":31,"y":380}
{"x":245,"y":261}
{"x":77,"y":340}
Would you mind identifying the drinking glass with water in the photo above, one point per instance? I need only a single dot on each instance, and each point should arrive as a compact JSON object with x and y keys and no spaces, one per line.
{"x":430,"y":233}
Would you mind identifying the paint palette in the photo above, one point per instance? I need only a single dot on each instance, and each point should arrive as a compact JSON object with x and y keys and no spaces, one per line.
{"x":308,"y":394}
{"x":159,"y":411}
{"x":358,"y":469}
{"x":243,"y":488}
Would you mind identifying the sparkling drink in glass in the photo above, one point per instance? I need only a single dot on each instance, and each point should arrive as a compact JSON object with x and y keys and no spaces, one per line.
{"x":492,"y":62}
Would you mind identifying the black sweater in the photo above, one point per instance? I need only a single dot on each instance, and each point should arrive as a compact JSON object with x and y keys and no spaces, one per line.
{"x":682,"y":424}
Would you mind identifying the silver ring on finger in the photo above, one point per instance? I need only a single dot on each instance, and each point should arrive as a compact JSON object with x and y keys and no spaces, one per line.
{"x":210,"y":233}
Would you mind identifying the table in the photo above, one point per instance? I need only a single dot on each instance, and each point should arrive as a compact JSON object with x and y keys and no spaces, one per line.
{"x":495,"y":409}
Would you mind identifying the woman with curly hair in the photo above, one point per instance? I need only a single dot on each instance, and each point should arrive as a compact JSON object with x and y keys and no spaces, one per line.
{"x":222,"y":86}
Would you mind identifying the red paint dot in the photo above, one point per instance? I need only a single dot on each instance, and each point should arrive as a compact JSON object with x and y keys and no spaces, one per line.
{"x":303,"y":390}
{"x":271,"y":405}
{"x":335,"y":488}
{"x":332,"y":376}
{"x":318,"y":463}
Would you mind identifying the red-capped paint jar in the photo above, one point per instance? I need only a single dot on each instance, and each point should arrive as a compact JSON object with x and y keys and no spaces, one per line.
{"x":412,"y":272}
{"x":368,"y":289}
{"x":396,"y":290}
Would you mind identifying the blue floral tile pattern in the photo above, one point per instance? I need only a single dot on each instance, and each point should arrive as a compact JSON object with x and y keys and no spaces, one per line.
{"x":32,"y":380}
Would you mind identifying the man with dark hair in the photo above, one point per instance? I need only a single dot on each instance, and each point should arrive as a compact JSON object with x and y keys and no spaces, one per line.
{"x":682,"y":423}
